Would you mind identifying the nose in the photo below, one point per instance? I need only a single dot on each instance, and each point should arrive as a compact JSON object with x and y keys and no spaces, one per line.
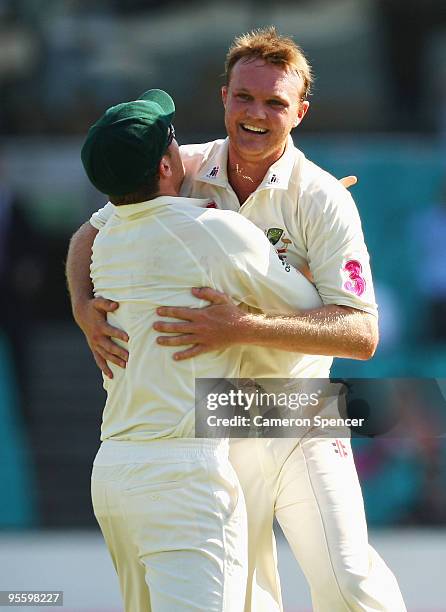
{"x":256,"y":110}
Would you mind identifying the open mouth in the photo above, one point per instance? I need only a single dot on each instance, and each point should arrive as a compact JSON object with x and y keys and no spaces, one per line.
{"x":253,"y":129}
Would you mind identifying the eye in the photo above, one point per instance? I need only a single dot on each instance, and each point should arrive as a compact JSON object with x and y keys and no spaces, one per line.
{"x":276,"y":103}
{"x":244,"y":97}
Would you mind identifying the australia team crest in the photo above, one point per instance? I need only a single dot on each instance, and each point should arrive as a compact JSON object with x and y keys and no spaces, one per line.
{"x":277,"y":237}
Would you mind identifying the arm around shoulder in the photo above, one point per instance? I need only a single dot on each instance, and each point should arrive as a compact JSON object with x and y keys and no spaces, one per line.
{"x":332,"y":330}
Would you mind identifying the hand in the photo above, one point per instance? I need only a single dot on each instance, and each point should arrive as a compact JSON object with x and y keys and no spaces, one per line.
{"x":92,"y":319}
{"x":207,"y":329}
{"x":348,"y":181}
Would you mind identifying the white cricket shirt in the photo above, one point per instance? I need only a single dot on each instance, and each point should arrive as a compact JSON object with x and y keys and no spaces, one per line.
{"x":151,"y":254}
{"x":308,"y":216}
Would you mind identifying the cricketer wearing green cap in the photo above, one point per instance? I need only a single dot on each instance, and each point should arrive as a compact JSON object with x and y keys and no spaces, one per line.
{"x":123,"y":148}
{"x":169,"y":505}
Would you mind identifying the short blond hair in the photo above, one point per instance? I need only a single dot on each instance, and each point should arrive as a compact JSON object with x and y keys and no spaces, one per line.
{"x":266,"y":44}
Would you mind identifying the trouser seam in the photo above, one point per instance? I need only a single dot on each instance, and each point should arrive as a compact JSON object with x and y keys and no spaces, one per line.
{"x":223,"y":533}
{"x":324,"y":530}
{"x":267,"y":478}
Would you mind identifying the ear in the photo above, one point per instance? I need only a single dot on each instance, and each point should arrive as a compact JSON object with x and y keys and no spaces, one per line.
{"x":224,"y":94}
{"x":165,"y":167}
{"x":302,"y":111}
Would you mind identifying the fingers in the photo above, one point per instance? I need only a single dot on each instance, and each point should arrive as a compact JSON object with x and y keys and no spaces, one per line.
{"x":349,"y":181}
{"x":102,"y":364}
{"x":111,"y":357}
{"x":176,"y":312}
{"x":114,"y":332}
{"x":195,"y":350}
{"x":93,"y":321}
{"x":176,"y":340}
{"x":189,"y":314}
{"x":211,"y":295}
{"x":176,"y":328}
{"x":104,"y":305}
{"x":110,"y":350}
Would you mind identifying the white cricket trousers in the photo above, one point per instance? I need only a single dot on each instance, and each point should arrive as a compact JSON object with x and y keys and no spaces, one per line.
{"x":312,"y":488}
{"x":173,"y":517}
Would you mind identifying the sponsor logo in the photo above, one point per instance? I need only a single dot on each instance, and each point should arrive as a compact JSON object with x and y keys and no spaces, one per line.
{"x":211,"y":204}
{"x":282,"y":251}
{"x":339,"y":448}
{"x":214,"y":172}
{"x":274,"y":179}
{"x":356,"y":282}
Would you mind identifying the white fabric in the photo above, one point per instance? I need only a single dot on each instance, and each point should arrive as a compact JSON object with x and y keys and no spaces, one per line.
{"x":315,"y":496}
{"x":151,"y":254}
{"x":173,"y":517}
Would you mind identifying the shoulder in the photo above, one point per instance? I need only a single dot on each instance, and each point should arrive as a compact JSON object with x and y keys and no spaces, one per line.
{"x":227,"y":220}
{"x":229,"y":227}
{"x":199,"y":152}
{"x":318,"y":184}
{"x":320,"y":193}
{"x":195,"y":155}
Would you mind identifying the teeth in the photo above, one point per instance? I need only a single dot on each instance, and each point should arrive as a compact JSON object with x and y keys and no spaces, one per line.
{"x":253,"y":128}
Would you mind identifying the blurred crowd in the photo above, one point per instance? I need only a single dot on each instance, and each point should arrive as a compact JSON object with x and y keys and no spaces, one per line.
{"x":62,"y":62}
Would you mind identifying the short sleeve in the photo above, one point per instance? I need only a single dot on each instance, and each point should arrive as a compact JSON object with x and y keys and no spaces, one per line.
{"x":337,"y":254}
{"x":101,"y":216}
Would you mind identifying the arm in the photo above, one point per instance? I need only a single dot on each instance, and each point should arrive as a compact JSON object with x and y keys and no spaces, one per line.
{"x":91,"y":313}
{"x":332,"y":330}
{"x":78,"y":269}
{"x":344,"y":327}
{"x":336,"y":331}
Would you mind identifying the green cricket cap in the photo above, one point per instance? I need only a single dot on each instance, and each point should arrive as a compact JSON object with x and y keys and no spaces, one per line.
{"x":124,"y":147}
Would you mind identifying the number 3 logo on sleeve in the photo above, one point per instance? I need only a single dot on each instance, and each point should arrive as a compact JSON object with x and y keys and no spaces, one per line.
{"x":356,"y":283}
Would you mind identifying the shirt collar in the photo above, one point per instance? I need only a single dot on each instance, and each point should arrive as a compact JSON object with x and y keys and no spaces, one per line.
{"x":130,"y":210}
{"x":213,"y":169}
{"x":279,"y":174}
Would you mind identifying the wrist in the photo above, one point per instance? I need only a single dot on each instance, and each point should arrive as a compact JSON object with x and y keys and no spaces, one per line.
{"x":79,"y":307}
{"x":248,"y":329}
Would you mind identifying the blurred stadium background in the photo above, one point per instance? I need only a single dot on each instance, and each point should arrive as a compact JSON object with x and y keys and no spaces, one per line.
{"x":378,"y":110}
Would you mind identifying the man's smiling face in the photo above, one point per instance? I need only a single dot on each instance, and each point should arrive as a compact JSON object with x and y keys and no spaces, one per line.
{"x":262,"y":104}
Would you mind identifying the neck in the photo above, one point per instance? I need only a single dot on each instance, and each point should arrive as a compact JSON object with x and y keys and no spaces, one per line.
{"x":167,"y":187}
{"x":167,"y":192}
{"x":143,"y":195}
{"x":246,"y":175}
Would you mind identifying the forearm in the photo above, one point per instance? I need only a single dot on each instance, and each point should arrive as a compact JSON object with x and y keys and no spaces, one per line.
{"x":332,"y":330}
{"x":78,"y":266}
